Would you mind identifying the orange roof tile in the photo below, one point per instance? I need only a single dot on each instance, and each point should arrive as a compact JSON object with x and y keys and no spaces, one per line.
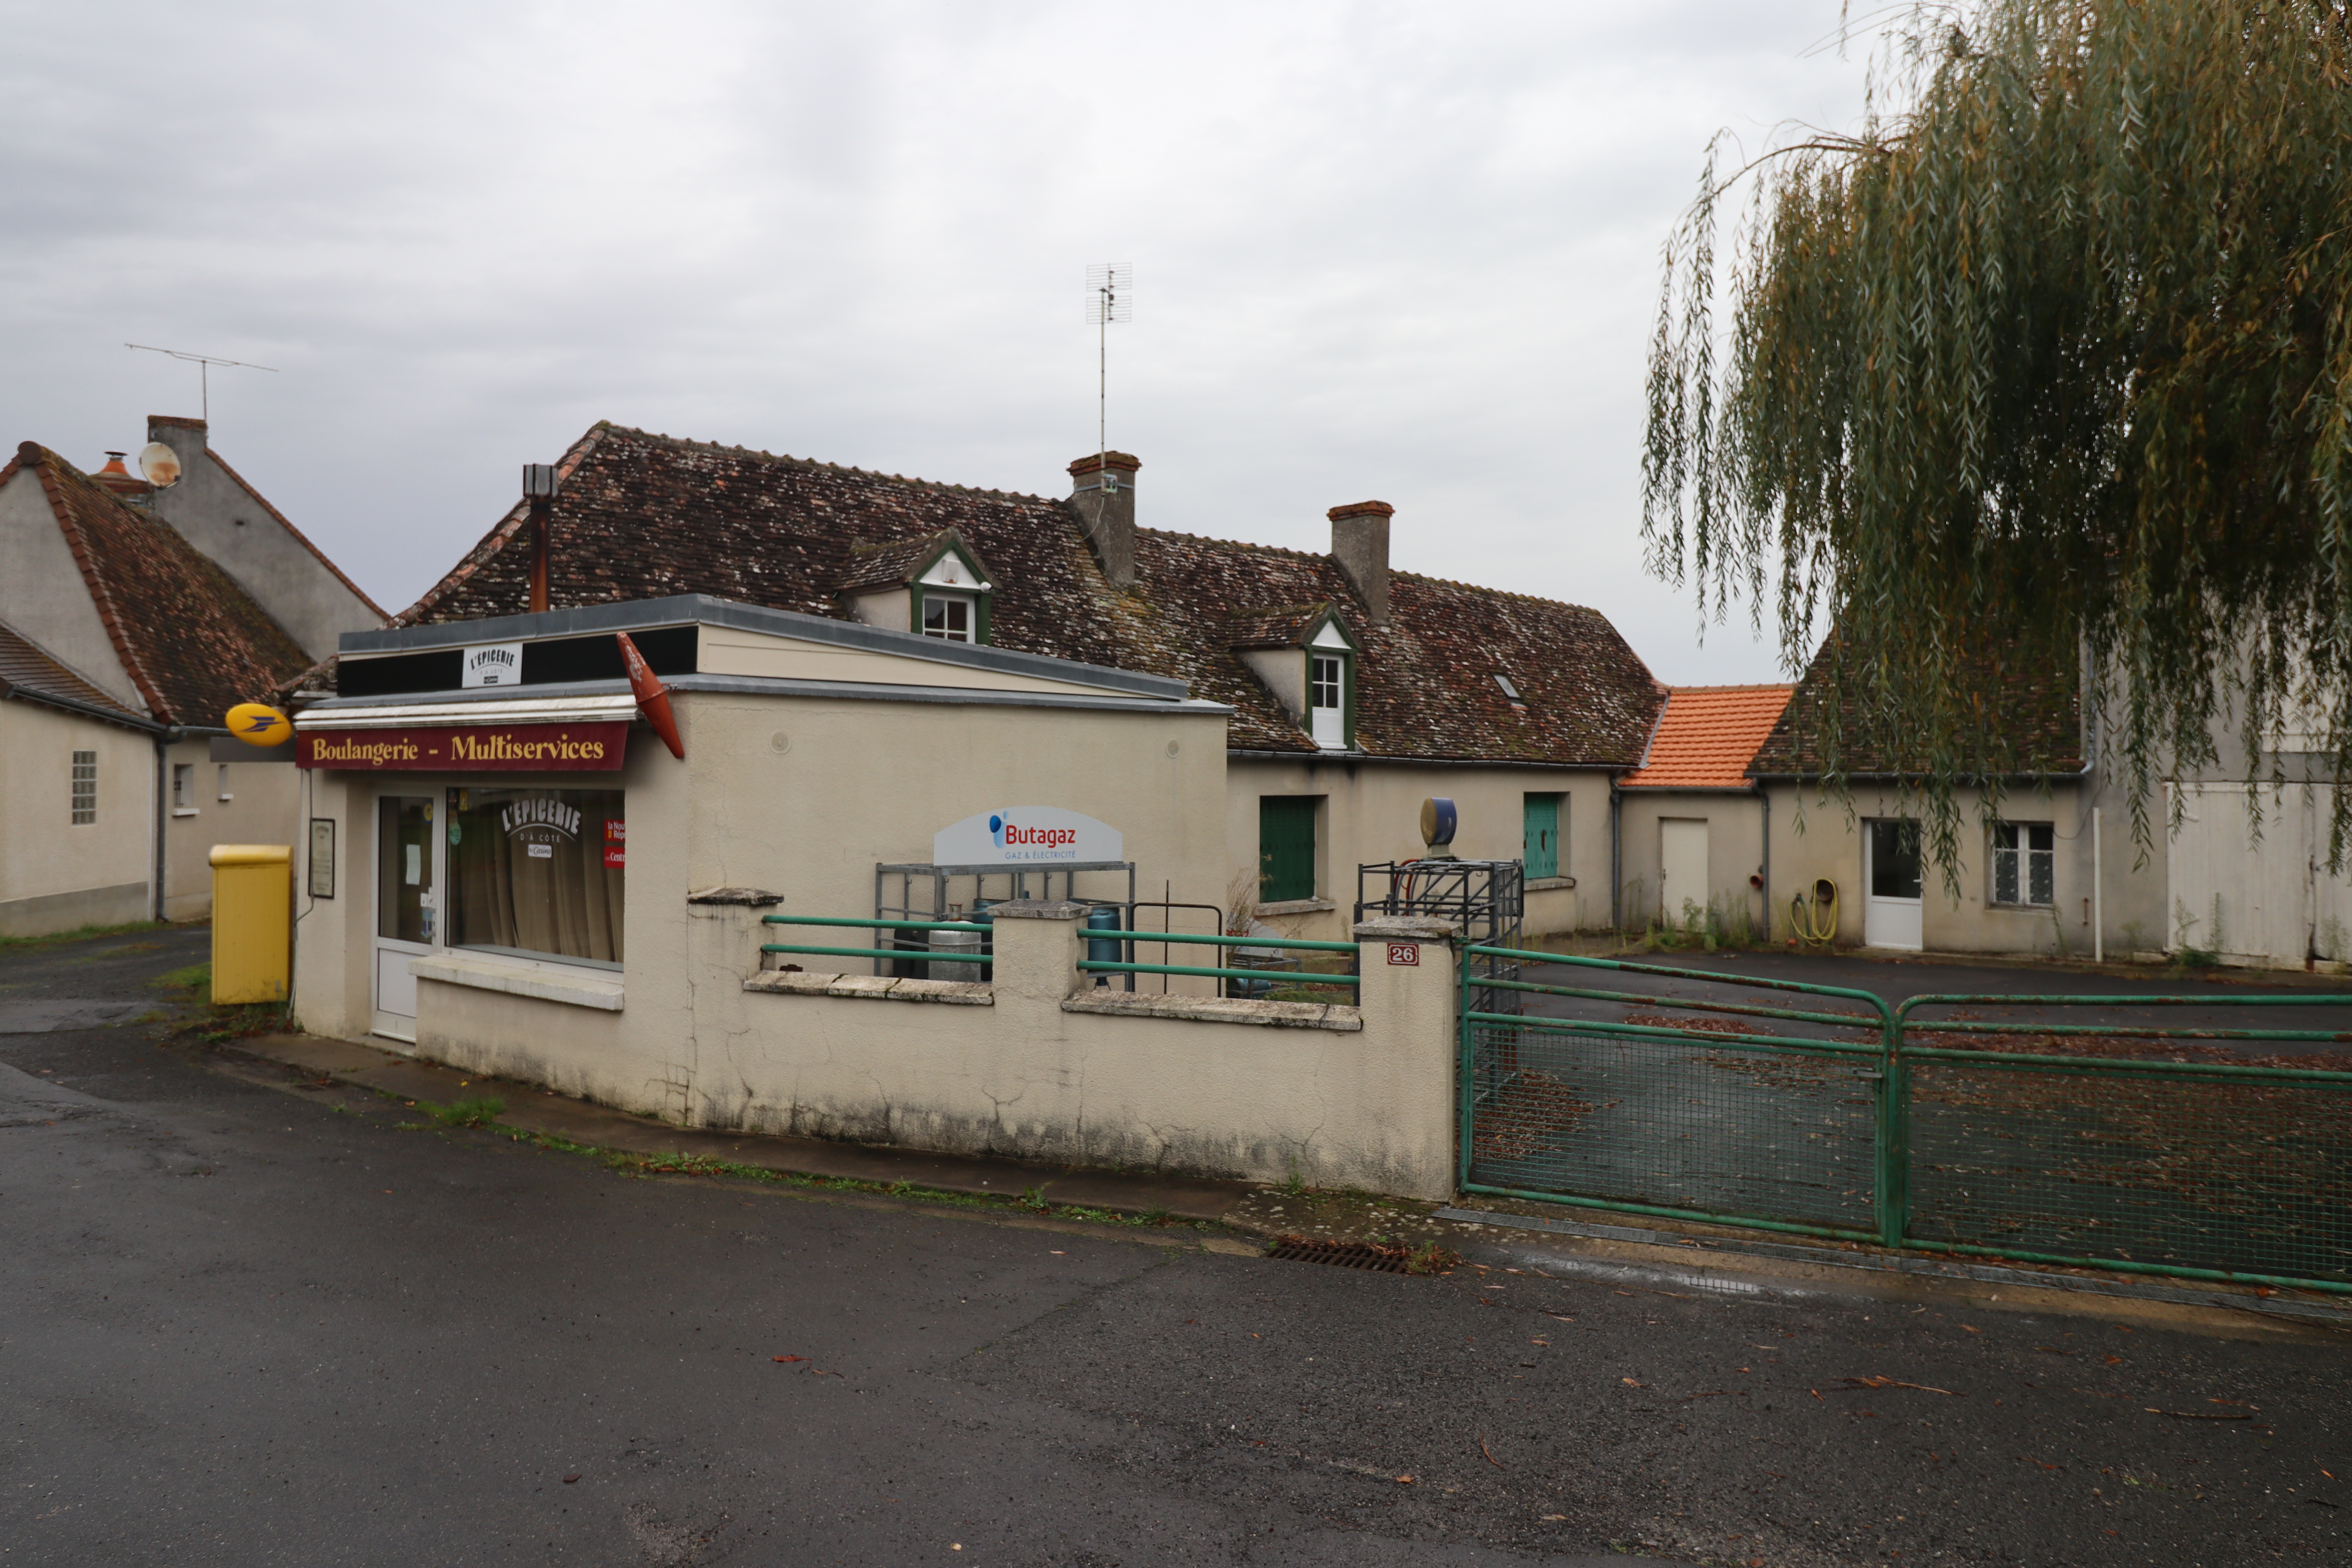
{"x":1708,"y":736}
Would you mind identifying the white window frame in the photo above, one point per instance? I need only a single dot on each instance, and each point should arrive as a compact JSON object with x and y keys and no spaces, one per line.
{"x":183,"y":789}
{"x":222,"y":791}
{"x":2013,"y":849}
{"x":968,"y":603}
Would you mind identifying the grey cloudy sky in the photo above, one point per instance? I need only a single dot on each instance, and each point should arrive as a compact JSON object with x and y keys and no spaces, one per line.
{"x":1407,"y":251}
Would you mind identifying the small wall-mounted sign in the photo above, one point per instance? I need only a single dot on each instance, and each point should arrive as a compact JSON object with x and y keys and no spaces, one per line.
{"x":1405,"y":953}
{"x":259,"y":724}
{"x":493,"y":664}
{"x":322,"y":857}
{"x":1027,"y":835}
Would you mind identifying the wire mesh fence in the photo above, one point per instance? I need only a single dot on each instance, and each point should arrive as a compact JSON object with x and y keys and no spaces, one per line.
{"x":2132,"y":1146}
{"x":2178,"y":1169}
{"x":1779,"y":1133}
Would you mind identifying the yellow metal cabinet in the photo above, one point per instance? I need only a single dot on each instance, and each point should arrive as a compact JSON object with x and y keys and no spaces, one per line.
{"x":253,"y":906}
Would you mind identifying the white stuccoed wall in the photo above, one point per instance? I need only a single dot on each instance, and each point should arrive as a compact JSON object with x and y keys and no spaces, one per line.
{"x":1037,"y":1065}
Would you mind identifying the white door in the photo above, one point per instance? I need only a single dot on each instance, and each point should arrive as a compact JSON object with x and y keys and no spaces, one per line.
{"x":1682,"y":868}
{"x":1890,"y":882}
{"x":2252,"y":900}
{"x":408,"y":906}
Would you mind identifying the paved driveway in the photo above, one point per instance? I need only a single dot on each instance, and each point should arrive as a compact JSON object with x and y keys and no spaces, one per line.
{"x":242,"y":1323}
{"x":1896,"y":980}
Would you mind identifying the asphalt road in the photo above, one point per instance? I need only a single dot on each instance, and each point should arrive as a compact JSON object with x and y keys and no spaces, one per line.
{"x":241,"y":1324}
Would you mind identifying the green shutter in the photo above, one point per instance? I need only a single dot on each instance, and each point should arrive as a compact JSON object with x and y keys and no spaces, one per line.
{"x":1542,"y":855}
{"x":1285,"y":848}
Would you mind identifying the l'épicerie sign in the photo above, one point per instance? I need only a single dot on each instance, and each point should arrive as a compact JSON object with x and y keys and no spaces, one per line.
{"x":484,"y":748}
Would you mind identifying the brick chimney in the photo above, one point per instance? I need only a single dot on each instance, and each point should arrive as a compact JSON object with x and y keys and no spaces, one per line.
{"x":182,"y":435}
{"x":1102,"y":498}
{"x":1360,"y":543}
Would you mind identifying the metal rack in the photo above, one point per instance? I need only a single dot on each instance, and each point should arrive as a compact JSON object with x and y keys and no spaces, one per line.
{"x":974,"y":889}
{"x":1484,"y":900}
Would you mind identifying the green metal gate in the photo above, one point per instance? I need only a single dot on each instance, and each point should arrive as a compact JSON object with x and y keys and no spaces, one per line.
{"x":1835,"y":1115}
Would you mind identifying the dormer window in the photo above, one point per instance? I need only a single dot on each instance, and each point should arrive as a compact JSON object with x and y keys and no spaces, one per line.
{"x":934,"y":586}
{"x":1308,"y":665}
{"x":1331,"y":705}
{"x":949,"y":616}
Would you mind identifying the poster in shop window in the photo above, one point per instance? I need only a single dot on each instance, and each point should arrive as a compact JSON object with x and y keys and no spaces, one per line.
{"x":1027,"y":835}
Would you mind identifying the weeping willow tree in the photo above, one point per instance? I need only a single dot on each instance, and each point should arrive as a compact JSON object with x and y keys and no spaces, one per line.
{"x":2048,"y":368}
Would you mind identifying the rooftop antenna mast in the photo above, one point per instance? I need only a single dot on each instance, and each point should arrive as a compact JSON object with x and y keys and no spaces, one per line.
{"x":203,"y":364}
{"x":1110,"y":296}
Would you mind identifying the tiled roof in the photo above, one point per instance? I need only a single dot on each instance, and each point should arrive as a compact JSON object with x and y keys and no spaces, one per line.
{"x":640,"y":516}
{"x":192,"y":642}
{"x":27,"y":670}
{"x":2028,"y":716}
{"x":1274,"y":628}
{"x":893,"y":563}
{"x":1709,"y":735}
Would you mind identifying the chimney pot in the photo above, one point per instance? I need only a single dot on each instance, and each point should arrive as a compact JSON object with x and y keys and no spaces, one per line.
{"x":1102,"y":498}
{"x":1360,"y":543}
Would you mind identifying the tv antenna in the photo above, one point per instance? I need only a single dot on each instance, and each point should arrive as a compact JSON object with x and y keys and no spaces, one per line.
{"x":203,"y":364}
{"x":1110,"y":296}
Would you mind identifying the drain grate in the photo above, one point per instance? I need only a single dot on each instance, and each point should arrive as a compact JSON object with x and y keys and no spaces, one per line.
{"x":1340,"y":1254}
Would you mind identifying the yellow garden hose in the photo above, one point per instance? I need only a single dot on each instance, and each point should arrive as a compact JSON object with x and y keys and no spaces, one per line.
{"x":1816,"y":923}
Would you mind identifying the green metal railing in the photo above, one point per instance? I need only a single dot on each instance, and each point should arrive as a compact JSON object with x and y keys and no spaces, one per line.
{"x":1257,"y":976}
{"x":925,"y":955}
{"x":1872,"y":1124}
{"x":937,"y":955}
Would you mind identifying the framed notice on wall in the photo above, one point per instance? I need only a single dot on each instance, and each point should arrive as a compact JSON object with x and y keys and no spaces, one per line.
{"x":322,"y":857}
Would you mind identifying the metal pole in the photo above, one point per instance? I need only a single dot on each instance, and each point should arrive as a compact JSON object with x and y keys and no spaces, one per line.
{"x":538,"y":507}
{"x":2098,"y":911}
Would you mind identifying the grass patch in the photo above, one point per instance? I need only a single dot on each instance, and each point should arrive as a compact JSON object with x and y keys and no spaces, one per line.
{"x":188,"y":977}
{"x":80,"y":933}
{"x":483,"y":1112}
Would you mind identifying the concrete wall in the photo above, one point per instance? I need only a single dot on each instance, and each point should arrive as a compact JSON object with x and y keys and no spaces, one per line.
{"x":263,"y":809}
{"x":56,"y":875}
{"x":1735,"y":851}
{"x":1370,"y":811}
{"x":220,"y":517}
{"x":800,"y":797}
{"x":1815,"y":836}
{"x":1034,"y":1066}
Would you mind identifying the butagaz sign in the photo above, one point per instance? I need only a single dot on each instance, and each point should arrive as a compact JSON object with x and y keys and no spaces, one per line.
{"x":493,"y":664}
{"x":1027,"y":835}
{"x":490,"y":748}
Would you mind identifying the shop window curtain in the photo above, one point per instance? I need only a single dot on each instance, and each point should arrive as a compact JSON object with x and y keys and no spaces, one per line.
{"x":537,"y":871}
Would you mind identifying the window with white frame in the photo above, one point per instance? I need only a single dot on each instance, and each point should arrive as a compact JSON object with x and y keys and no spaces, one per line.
{"x":948,"y":616}
{"x":2025,"y":864}
{"x":184,"y":788}
{"x":222,"y":768}
{"x":85,"y":788}
{"x":1327,"y":693}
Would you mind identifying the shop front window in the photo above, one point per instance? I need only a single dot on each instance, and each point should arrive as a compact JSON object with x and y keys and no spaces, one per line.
{"x":538,"y":872}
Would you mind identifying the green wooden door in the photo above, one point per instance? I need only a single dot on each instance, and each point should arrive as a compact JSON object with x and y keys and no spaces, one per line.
{"x":1542,"y":854}
{"x":1285,"y":848}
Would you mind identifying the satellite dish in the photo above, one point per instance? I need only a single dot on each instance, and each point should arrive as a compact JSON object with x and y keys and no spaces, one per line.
{"x":159,"y":465}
